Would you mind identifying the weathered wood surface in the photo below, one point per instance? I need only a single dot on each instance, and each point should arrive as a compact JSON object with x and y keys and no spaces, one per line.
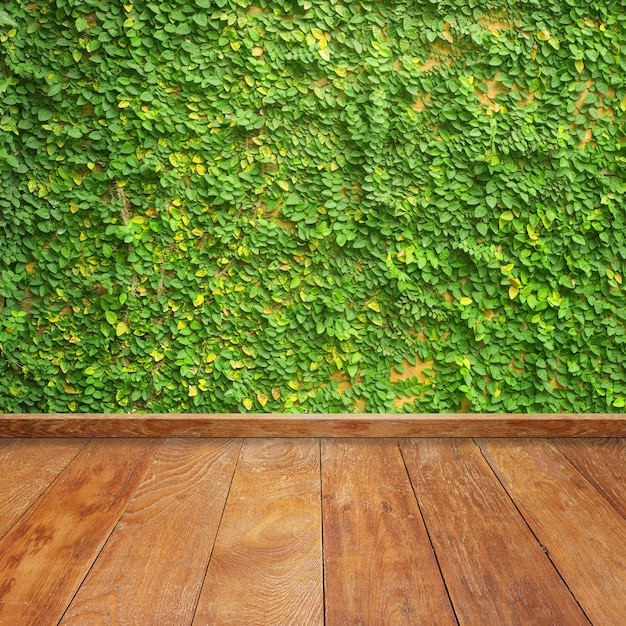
{"x":151,"y":569}
{"x":478,"y":534}
{"x":320,"y":425}
{"x":27,"y":467}
{"x":47,"y":553}
{"x":603,"y":463}
{"x":135,"y":531}
{"x":582,"y":533}
{"x":379,"y":566}
{"x":266,"y":566}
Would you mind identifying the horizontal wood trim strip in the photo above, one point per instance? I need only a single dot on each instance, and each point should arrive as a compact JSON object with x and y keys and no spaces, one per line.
{"x":313,"y":425}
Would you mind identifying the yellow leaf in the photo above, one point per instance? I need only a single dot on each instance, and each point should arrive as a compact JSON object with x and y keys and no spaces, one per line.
{"x":323,"y":43}
{"x":247,"y":403}
{"x":580,"y":66}
{"x":513,"y":291}
{"x":123,"y":104}
{"x":173,"y":159}
{"x":543,"y":35}
{"x":69,"y":388}
{"x":198,"y":300}
{"x":257,"y":52}
{"x":465,"y":301}
{"x":374,"y":306}
{"x":284,"y":185}
{"x":157,"y":356}
{"x":497,"y":393}
{"x":262,"y":398}
{"x":121,"y":329}
{"x":317,"y":33}
{"x":193,"y":391}
{"x":622,"y":103}
{"x":210,"y":357}
{"x":235,"y":45}
{"x":324,"y":54}
{"x":447,"y":36}
{"x":275,"y":393}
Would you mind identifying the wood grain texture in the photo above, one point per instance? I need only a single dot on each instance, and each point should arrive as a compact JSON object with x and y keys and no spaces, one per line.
{"x":583,"y":534}
{"x":320,"y":425}
{"x":603,"y":463}
{"x":46,"y":554}
{"x":152,"y":567}
{"x":379,"y":567}
{"x":27,"y":467}
{"x":495,"y":571}
{"x":266,"y":567}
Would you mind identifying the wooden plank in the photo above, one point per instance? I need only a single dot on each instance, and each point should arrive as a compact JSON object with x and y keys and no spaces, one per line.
{"x":495,"y":571}
{"x":379,"y":567}
{"x":152,"y":567}
{"x":27,"y":467}
{"x":266,"y":567}
{"x":47,"y":553}
{"x":583,"y":534}
{"x":321,"y":425}
{"x":603,"y":463}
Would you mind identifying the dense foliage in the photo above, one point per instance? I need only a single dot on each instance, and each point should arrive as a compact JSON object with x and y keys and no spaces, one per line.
{"x":312,"y":205}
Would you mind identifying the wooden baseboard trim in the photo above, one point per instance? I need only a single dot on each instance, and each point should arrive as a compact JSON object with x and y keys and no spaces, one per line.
{"x":313,"y":425}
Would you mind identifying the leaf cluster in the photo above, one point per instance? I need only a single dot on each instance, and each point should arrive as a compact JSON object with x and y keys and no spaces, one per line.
{"x":312,"y":205}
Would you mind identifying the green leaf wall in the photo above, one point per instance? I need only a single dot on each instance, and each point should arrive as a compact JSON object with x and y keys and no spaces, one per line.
{"x":314,"y":206}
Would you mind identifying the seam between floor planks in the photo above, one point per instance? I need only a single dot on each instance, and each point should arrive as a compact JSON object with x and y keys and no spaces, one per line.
{"x":585,"y":479}
{"x":206,"y":569}
{"x":538,"y":542}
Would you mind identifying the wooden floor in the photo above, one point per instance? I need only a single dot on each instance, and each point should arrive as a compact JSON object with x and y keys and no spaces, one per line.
{"x":311,"y":531}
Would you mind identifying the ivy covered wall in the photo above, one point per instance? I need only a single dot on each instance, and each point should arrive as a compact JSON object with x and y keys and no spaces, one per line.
{"x":312,"y":205}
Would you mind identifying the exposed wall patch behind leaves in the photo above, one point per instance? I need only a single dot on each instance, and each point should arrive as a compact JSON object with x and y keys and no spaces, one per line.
{"x":315,"y":206}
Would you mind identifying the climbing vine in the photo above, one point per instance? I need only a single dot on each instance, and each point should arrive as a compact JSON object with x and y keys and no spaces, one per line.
{"x":312,"y":205}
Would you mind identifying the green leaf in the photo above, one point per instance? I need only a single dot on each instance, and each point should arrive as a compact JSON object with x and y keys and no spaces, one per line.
{"x":505,"y":218}
{"x":111,"y":317}
{"x":81,"y":24}
{"x":121,"y":329}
